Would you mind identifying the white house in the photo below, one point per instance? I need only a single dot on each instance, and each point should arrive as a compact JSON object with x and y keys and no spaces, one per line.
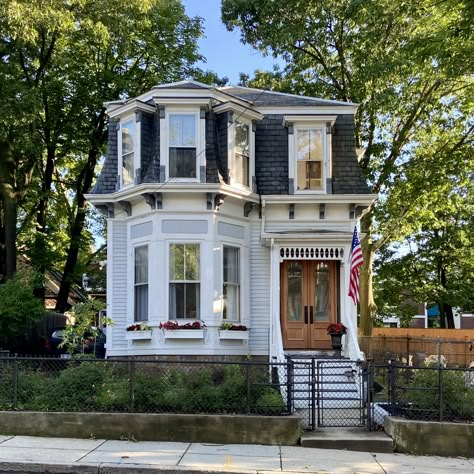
{"x":229,"y":204}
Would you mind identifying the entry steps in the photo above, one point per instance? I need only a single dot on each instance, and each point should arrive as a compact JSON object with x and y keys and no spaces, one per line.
{"x":351,"y":439}
{"x":334,"y":397}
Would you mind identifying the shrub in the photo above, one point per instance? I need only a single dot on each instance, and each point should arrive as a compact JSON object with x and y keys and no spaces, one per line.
{"x":270,"y":402}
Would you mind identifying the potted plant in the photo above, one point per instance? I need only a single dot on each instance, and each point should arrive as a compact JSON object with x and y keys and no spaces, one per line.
{"x":138,"y":331}
{"x":336,"y":331}
{"x":233,"y":331}
{"x":174,"y":330}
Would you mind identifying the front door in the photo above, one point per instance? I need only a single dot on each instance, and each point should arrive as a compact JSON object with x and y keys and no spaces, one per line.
{"x":308,"y":303}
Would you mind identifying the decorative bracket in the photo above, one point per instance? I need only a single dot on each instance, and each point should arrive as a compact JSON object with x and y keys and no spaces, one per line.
{"x":322,"y":210}
{"x":126,"y":206}
{"x":291,"y":211}
{"x":106,"y":209}
{"x":218,"y":201}
{"x":154,"y":200}
{"x":248,"y":208}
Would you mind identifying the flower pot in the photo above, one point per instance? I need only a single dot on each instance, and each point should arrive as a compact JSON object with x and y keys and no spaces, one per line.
{"x":336,"y":341}
{"x":233,"y":335}
{"x":138,"y":335}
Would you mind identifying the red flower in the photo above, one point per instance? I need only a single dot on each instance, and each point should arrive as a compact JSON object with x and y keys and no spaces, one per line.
{"x":171,"y":325}
{"x":336,"y":328}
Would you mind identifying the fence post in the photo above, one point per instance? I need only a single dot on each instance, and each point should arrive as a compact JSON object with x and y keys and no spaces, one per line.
{"x":289,"y":385}
{"x":391,"y":385}
{"x":314,"y":380}
{"x":247,"y":375}
{"x":131,"y":366}
{"x":408,"y":350}
{"x":15,"y":383}
{"x":368,"y":375}
{"x":438,"y":343}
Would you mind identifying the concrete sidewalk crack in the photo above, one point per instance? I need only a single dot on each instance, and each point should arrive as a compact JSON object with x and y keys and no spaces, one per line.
{"x":281,"y":459}
{"x":92,"y":450}
{"x":377,"y":461}
{"x":184,"y":454}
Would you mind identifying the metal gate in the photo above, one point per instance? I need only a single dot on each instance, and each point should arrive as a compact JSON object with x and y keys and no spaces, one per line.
{"x":328,"y":393}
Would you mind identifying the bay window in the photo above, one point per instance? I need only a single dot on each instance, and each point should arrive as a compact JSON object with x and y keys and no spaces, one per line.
{"x":182,"y":145}
{"x":127,"y":142}
{"x":184,"y":286}
{"x":141,"y":283}
{"x":231,"y":284}
{"x":309,"y":159}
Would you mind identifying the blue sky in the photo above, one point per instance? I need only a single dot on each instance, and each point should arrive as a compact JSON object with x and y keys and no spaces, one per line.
{"x":223,"y":50}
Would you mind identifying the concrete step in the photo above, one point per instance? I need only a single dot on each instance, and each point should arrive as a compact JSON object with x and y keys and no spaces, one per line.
{"x":350,"y":439}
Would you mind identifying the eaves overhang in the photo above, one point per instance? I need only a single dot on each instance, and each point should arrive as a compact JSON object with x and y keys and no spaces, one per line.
{"x":359,"y":199}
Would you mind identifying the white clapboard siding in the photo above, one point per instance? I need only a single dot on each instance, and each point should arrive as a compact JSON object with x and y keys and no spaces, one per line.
{"x":259,"y":292}
{"x":306,"y":225}
{"x":119,"y":284}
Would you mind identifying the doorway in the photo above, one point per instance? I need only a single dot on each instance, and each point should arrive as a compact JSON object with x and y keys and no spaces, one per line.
{"x":308,"y":302}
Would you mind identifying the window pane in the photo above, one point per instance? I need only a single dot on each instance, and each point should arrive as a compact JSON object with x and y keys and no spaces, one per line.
{"x":322,"y":292}
{"x":295,"y":293}
{"x":184,"y":300}
{"x":182,"y":162}
{"x":231,"y":265}
{"x":128,"y":137}
{"x":309,"y":175}
{"x":240,"y":173}
{"x":191,"y":257}
{"x":182,"y":130}
{"x":141,"y":264}
{"x":141,"y":302}
{"x":231,"y":297}
{"x":242,"y":138}
{"x":127,"y":169}
{"x":192,"y":291}
{"x":176,"y":262}
{"x":309,"y":145}
{"x":176,"y":300}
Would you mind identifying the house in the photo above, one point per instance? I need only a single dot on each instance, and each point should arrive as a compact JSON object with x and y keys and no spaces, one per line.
{"x":229,"y":204}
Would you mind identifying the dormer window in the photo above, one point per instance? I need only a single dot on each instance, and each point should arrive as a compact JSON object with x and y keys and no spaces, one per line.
{"x":128,"y":155}
{"x":240,"y":165}
{"x":309,"y":152}
{"x":182,"y":145}
{"x":309,"y":159}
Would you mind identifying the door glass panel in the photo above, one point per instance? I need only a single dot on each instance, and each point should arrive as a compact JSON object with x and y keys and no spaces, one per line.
{"x":295,"y":281}
{"x":322,"y":291}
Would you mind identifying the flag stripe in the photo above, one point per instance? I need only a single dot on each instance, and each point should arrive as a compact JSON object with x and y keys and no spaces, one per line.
{"x":356,"y":261}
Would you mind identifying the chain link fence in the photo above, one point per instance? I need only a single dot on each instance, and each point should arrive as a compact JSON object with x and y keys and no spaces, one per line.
{"x":432,"y":393}
{"x":417,"y":351}
{"x":143,"y":386}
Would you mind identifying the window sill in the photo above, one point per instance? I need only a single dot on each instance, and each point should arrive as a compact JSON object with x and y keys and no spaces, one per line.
{"x":138,"y":335}
{"x":184,"y":333}
{"x":233,"y":335}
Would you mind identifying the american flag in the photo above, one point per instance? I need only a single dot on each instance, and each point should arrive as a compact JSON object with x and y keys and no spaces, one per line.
{"x":356,"y":261}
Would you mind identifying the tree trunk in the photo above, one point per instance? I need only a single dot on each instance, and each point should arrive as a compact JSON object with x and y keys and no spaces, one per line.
{"x":367,"y":303}
{"x":8,"y":212}
{"x":448,"y":309}
{"x":84,"y":184}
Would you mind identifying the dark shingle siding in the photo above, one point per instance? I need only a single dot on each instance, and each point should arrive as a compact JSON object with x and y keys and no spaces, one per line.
{"x":152,"y":171}
{"x":347,"y":177}
{"x":211,"y":148}
{"x":223,"y":121}
{"x":271,"y":155}
{"x":106,"y":182}
{"x":147,"y":140}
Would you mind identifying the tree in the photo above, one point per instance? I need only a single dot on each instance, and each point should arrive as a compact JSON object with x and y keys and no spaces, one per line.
{"x":400,"y":60}
{"x":60,"y":62}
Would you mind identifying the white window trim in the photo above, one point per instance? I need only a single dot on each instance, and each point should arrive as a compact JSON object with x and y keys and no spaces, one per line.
{"x":134,"y":284}
{"x":168,"y":280}
{"x":327,"y":155}
{"x":200,"y":141}
{"x":239,"y":320}
{"x":140,"y":242}
{"x":136,"y":148}
{"x":231,"y":152}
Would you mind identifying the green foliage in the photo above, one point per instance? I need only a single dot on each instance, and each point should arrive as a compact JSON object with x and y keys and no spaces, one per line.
{"x":84,"y":315}
{"x":457,"y":398}
{"x":18,"y":305}
{"x":77,"y":385}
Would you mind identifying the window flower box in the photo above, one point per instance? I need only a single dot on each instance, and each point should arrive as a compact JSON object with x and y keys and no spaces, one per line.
{"x":183,"y":333}
{"x":230,"y":335}
{"x":138,"y":335}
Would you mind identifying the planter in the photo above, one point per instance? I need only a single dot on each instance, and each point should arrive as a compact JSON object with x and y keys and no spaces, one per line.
{"x":138,"y":335}
{"x":184,"y":333}
{"x":233,"y":335}
{"x":336,"y":341}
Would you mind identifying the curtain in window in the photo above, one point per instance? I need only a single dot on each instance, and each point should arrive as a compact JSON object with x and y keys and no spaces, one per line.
{"x":231,"y":287}
{"x":141,"y":284}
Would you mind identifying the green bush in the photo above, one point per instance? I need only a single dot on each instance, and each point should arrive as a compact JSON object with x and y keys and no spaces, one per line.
{"x":270,"y":402}
{"x":423,"y":393}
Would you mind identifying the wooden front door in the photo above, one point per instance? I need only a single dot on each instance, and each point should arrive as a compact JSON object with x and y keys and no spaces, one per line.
{"x":308,"y":303}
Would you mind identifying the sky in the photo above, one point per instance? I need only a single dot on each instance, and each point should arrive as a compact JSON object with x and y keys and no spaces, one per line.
{"x":224,"y":52}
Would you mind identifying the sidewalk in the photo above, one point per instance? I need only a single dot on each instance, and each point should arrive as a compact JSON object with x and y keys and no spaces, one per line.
{"x":59,"y":455}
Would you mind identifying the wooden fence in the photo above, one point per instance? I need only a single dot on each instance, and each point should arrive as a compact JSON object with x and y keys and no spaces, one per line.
{"x":412,"y":346}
